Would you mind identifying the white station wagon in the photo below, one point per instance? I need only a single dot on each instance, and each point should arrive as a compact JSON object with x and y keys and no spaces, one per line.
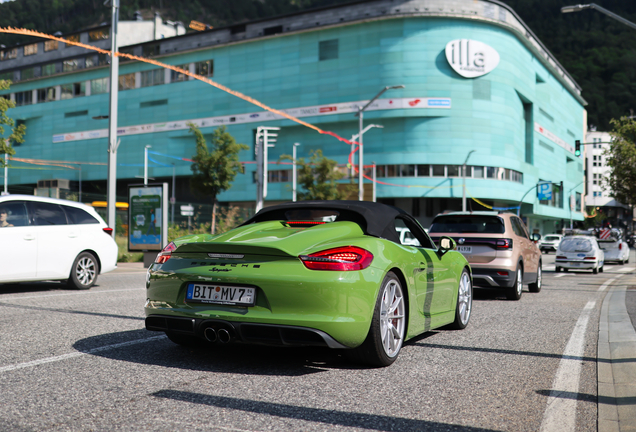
{"x":52,"y":239}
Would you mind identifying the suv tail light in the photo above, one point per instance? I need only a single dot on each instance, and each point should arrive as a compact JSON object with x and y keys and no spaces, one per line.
{"x":166,"y":253}
{"x":504,"y":243}
{"x":108,"y":231}
{"x":338,"y":259}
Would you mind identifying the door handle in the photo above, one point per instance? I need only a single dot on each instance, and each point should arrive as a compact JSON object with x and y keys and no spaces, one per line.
{"x":29,"y":237}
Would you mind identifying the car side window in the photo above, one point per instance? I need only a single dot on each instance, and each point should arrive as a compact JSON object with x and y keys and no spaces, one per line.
{"x":47,"y":214}
{"x":517,"y":227}
{"x":16,"y":214}
{"x":78,"y":216}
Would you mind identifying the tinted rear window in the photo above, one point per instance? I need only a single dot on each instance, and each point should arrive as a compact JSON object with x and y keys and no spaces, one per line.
{"x":468,"y":224}
{"x":48,"y":214}
{"x":79,"y":216}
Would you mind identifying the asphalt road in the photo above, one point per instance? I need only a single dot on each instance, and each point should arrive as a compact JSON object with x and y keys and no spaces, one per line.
{"x":82,"y":360}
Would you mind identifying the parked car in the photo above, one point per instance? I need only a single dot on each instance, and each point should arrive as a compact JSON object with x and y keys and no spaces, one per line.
{"x":581,"y":253}
{"x":498,"y":248}
{"x":615,"y":248}
{"x":53,"y":239}
{"x":311,"y":273}
{"x":549,"y":243}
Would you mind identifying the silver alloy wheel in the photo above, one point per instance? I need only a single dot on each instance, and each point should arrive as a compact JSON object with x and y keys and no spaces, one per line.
{"x":392,"y":318}
{"x":464,"y":299}
{"x":85,"y":271}
{"x":519,"y":282}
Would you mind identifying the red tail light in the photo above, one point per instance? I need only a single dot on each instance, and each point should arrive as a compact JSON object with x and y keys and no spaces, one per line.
{"x":620,"y":246}
{"x":338,"y":259}
{"x":561,"y":257}
{"x":590,"y":258}
{"x":165,"y":254}
{"x":108,"y":231}
{"x":504,"y":243}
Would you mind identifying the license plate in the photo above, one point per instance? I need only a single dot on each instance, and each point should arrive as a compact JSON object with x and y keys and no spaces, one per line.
{"x":221,"y":294}
{"x":465,"y":249}
{"x":575,"y":264}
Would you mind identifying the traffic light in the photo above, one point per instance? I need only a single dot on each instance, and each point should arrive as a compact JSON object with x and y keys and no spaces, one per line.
{"x":577,"y":148}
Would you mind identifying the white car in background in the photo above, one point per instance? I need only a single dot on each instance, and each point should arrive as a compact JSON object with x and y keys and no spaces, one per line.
{"x":549,"y":243}
{"x":406,"y":237}
{"x":53,"y":239}
{"x":579,"y":253}
{"x":615,"y":248}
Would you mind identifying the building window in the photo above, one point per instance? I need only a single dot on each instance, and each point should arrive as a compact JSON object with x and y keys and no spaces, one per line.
{"x":50,"y":45}
{"x":150,"y":50}
{"x":30,"y":49}
{"x":152,"y":77}
{"x":97,"y":35}
{"x":72,"y":38}
{"x":407,"y":170}
{"x":24,"y":98}
{"x":179,"y":76}
{"x":48,"y":69}
{"x":70,"y":91}
{"x":9,"y":54}
{"x":46,"y":94}
{"x":491,"y":172}
{"x":439,"y":171}
{"x":279,"y":176}
{"x":204,"y":68}
{"x":71,"y":65}
{"x":6,"y":76}
{"x":328,"y":50}
{"x":478,"y":172}
{"x":423,"y":171}
{"x":26,"y":74}
{"x":454,"y":170}
{"x":99,"y":86}
{"x":127,"y":82}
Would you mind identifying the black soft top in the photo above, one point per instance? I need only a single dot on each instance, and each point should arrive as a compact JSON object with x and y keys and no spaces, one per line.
{"x":375,"y":219}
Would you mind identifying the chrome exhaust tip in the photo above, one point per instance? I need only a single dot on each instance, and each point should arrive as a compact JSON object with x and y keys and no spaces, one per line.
{"x":210,"y":334}
{"x":224,"y":336}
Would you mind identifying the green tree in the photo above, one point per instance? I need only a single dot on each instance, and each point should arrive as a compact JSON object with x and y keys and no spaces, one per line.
{"x":17,"y":133}
{"x":621,"y":159}
{"x":214,"y":170}
{"x":318,"y":178}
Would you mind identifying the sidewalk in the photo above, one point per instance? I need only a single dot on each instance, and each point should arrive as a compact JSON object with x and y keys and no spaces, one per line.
{"x":616,"y":359}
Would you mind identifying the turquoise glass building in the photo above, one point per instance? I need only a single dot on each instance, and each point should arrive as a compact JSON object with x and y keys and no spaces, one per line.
{"x":477,"y":84}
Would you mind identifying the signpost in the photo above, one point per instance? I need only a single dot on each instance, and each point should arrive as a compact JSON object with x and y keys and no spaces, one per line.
{"x":544,"y":191}
{"x":187,"y":210}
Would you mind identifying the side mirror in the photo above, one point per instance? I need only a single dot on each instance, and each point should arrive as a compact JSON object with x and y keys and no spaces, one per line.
{"x":536,"y":237}
{"x":446,"y":244}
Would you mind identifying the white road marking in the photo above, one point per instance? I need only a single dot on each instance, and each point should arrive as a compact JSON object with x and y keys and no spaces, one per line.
{"x":76,"y":354}
{"x":606,"y":284}
{"x":560,"y":413}
{"x":69,"y":294}
{"x":560,"y":275}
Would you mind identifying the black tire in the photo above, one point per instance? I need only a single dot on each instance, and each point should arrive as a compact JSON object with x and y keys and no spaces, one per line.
{"x":373,"y":350}
{"x":464,"y":305}
{"x":558,"y":269}
{"x":565,"y":270}
{"x":595,"y":270}
{"x":84,"y":271}
{"x":514,"y":292}
{"x":184,"y":340}
{"x":535,"y":287}
{"x":621,"y":262}
{"x":601,"y":269}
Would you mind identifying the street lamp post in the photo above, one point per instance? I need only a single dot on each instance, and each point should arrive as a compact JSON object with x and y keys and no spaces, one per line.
{"x":360,"y":132}
{"x":580,"y":7}
{"x":294,"y":172}
{"x":111,"y":189}
{"x":356,"y":136}
{"x":146,"y":164}
{"x":464,"y":180}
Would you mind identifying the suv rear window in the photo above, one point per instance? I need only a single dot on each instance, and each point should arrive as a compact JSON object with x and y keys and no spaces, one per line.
{"x":470,"y":224}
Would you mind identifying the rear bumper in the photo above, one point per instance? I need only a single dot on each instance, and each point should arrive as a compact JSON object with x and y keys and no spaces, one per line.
{"x":242,"y":332}
{"x":491,"y":278}
{"x":577,"y":264}
{"x":549,"y":248}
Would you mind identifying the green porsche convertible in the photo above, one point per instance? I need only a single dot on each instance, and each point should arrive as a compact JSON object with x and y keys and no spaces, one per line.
{"x":311,"y":273}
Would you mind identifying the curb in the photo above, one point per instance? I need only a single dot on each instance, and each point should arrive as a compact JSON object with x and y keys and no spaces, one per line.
{"x":616,"y":363}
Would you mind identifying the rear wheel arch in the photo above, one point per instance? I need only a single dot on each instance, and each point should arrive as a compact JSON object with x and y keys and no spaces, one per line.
{"x":407,"y":290}
{"x":96,"y":255}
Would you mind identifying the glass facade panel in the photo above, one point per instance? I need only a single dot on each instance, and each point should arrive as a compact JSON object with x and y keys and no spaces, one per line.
{"x":99,"y":86}
{"x":204,"y":68}
{"x":152,"y":77}
{"x":24,"y":98}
